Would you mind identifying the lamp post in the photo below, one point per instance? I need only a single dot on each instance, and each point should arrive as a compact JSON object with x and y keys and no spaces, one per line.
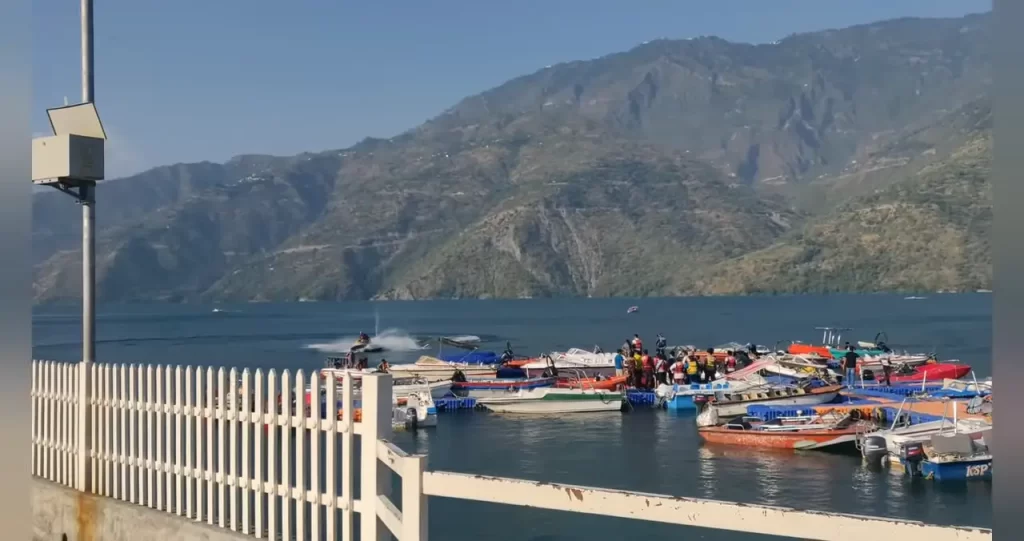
{"x":71,"y":160}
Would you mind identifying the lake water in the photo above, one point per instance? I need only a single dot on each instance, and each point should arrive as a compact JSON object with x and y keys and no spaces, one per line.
{"x":650,"y":451}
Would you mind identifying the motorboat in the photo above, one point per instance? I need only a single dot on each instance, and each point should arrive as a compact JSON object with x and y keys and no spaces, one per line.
{"x":590,"y":363}
{"x":830,"y":431}
{"x":482,"y":388}
{"x":732,"y":404}
{"x":681,"y":397}
{"x":549,"y":400}
{"x":434,"y":369}
{"x":885,"y":447}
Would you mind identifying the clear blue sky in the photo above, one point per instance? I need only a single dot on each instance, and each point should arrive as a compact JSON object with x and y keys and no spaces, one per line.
{"x":193,"y":80}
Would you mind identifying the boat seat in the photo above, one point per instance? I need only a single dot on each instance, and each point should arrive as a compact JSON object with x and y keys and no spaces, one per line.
{"x":975,"y":404}
{"x":953,"y":444}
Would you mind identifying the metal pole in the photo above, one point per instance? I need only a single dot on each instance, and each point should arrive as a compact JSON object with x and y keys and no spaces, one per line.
{"x":87,"y":78}
{"x":88,"y":200}
{"x":87,"y":197}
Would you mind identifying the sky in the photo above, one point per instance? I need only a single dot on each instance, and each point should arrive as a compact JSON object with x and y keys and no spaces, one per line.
{"x":194,"y":80}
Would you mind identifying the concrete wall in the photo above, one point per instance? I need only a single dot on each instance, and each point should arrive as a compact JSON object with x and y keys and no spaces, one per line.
{"x":58,"y":511}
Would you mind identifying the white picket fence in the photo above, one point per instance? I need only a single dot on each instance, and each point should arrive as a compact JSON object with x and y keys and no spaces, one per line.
{"x":227,"y":447}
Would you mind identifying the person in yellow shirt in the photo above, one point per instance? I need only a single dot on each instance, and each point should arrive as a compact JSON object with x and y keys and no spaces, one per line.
{"x":709,"y":366}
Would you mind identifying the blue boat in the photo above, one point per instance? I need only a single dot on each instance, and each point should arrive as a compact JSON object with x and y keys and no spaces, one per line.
{"x":681,"y":397}
{"x":954,"y":457}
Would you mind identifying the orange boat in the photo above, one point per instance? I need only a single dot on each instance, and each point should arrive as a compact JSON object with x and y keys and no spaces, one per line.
{"x":609,"y":384}
{"x":783,"y":433}
{"x":808,"y":349}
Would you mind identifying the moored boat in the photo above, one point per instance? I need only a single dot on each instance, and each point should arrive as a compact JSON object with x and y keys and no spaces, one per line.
{"x":589,"y":363}
{"x":607,"y":384}
{"x":927,"y":372}
{"x":481,"y":388}
{"x":433,"y":369}
{"x":554,"y":400}
{"x":831,"y":432}
{"x":680,"y":397}
{"x":731,"y":404}
{"x":946,"y":457}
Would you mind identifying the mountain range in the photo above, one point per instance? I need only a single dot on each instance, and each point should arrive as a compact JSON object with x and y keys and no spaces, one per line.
{"x":853,"y":159}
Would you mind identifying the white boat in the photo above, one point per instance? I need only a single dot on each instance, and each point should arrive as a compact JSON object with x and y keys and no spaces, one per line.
{"x":882,"y":447}
{"x":417,"y":410}
{"x":589,"y":363}
{"x":679,"y":397}
{"x":400,"y":386}
{"x":731,"y":404}
{"x":434,"y":369}
{"x":555,"y":400}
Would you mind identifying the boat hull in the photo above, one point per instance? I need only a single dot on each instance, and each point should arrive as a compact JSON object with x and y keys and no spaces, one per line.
{"x":586,"y":371}
{"x":833,"y":440}
{"x":740,"y":408}
{"x":438,"y":373}
{"x":680,"y":397}
{"x":498,"y":387}
{"x":930,"y":372}
{"x":609,"y":384}
{"x":547,"y":401}
{"x":970,"y":469}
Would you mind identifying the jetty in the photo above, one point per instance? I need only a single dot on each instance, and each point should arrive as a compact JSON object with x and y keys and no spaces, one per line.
{"x":118,"y":446}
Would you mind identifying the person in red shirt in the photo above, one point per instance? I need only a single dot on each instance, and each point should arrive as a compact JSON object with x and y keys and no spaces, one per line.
{"x":638,"y":344}
{"x":648,"y":363}
{"x":730,"y":362}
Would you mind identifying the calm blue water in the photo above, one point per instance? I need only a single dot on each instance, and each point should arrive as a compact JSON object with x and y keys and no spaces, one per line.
{"x":649,"y":451}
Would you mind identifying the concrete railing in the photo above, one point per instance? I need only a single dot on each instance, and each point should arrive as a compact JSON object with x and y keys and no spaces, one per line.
{"x":240,"y":450}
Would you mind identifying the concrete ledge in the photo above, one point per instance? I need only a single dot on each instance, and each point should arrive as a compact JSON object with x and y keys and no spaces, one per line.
{"x":58,"y":511}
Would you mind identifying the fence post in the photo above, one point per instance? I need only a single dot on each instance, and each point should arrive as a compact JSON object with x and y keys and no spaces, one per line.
{"x":83,"y":428}
{"x":414,"y":501}
{"x":375,"y":481}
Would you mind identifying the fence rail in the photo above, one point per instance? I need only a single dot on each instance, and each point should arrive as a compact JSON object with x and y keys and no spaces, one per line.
{"x":275,"y":456}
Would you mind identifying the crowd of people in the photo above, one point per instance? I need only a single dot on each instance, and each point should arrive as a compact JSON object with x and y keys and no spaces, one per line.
{"x":681,"y":366}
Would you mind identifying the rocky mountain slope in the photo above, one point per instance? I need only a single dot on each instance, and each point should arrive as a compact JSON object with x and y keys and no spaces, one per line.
{"x":667,"y":169}
{"x":929,"y":231}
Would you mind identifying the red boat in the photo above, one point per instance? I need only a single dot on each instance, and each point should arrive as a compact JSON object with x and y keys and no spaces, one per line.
{"x":928,"y":371}
{"x":789,"y":433}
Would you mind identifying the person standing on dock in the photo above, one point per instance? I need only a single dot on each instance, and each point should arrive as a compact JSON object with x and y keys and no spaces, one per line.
{"x":730,"y":362}
{"x":679,"y":371}
{"x":661,"y":368}
{"x":709,"y":366}
{"x":849,"y":365}
{"x":659,"y":346}
{"x":619,"y":360}
{"x":692,"y":369}
{"x":648,"y":361}
{"x":638,"y":344}
{"x":886,"y":369}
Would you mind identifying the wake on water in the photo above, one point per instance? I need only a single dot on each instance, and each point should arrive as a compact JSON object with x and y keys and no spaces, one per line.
{"x":390,"y":339}
{"x":395,"y":340}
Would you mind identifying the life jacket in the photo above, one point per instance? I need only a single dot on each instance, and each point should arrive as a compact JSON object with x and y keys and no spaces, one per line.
{"x":638,"y":344}
{"x":710,"y":362}
{"x":638,"y":361}
{"x":691,"y":368}
{"x":661,"y":365}
{"x":648,"y":363}
{"x":678,"y":369}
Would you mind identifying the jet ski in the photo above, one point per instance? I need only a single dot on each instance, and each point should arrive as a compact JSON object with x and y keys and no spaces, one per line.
{"x":364,"y":345}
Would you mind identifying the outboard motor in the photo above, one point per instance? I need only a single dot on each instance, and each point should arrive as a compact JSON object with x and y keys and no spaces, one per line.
{"x":912,"y":454}
{"x":868,"y":375}
{"x":875,"y":451}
